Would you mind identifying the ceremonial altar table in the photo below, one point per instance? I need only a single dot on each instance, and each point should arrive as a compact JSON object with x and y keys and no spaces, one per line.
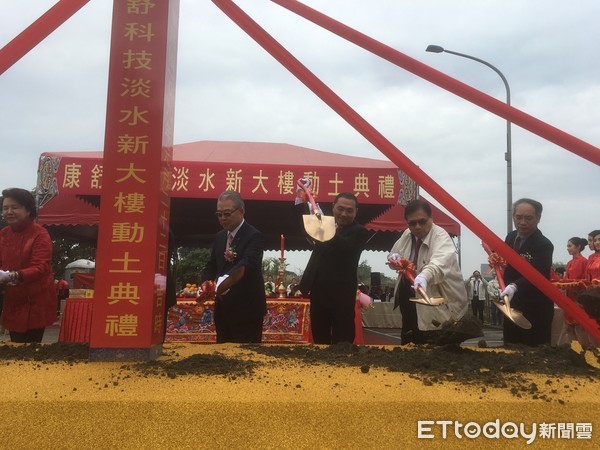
{"x":76,"y":321}
{"x":382,"y":315}
{"x":286,"y":321}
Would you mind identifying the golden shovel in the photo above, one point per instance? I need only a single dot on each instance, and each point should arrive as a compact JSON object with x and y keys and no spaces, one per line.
{"x":503,"y":305}
{"x":514,"y":315}
{"x":318,"y":226}
{"x":407,"y":268}
{"x":427,"y":300}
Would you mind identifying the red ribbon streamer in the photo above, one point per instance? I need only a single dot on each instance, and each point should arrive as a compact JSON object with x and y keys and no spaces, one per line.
{"x":209,"y":291}
{"x":497,"y":263}
{"x":404,"y":266}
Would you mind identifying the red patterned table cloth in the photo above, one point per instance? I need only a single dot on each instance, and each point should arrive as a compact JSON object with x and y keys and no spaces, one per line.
{"x":286,"y":321}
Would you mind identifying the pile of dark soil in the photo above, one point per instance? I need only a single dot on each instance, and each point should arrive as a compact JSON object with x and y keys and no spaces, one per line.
{"x":509,"y":368}
{"x":200,"y":364}
{"x":590,"y":301}
{"x":451,"y":363}
{"x":60,"y":352}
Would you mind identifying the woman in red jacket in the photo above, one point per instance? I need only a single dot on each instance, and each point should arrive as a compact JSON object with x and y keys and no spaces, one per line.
{"x":576,"y":267}
{"x":592,"y":270}
{"x":26,"y":269}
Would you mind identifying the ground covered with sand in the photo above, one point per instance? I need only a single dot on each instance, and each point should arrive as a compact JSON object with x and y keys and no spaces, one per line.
{"x":294,"y":396}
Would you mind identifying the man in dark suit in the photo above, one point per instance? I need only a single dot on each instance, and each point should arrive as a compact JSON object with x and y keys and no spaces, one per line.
{"x":530,"y":243}
{"x":330,"y":276}
{"x":236,"y":260}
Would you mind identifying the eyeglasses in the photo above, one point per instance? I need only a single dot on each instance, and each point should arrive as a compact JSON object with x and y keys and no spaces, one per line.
{"x":225,"y":214}
{"x":420,"y":222}
{"x":520,"y":218}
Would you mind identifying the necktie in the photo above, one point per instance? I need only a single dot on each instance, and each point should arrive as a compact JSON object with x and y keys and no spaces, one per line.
{"x":415,"y":250}
{"x":476,"y":288}
{"x":517,"y":245}
{"x":229,"y":240}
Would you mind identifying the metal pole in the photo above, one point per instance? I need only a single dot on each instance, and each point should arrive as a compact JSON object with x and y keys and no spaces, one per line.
{"x":508,"y":154}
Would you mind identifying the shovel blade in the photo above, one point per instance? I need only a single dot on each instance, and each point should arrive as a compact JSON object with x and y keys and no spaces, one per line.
{"x":513,"y":315}
{"x":426,"y":300}
{"x":321,"y":229}
{"x":432,"y":301}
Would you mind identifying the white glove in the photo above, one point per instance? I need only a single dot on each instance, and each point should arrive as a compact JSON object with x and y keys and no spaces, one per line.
{"x":393,"y":257}
{"x":509,"y":291}
{"x":420,"y":280}
{"x":306,"y":182}
{"x":219,"y":281}
{"x":4,"y":276}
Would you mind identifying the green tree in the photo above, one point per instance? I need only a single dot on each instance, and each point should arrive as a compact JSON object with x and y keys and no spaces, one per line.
{"x":189,"y":264}
{"x":270,"y":268}
{"x":65,"y":251}
{"x":363,"y":272}
{"x":387,"y":281}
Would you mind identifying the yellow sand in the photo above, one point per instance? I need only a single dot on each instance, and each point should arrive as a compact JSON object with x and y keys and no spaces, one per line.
{"x":284,"y":405}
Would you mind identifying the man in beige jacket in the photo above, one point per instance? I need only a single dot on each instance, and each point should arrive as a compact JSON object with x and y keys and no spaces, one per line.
{"x":437,"y":272}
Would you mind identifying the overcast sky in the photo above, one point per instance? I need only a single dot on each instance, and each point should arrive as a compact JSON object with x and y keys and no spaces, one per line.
{"x":228,"y":88}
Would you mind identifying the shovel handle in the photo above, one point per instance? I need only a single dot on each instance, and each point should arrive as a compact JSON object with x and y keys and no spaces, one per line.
{"x":499,"y":276}
{"x":420,"y":290}
{"x":423,"y":294}
{"x":310,"y":197}
{"x":409,"y":276}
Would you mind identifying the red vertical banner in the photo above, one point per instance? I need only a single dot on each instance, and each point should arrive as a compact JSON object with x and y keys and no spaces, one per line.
{"x":132,"y":259}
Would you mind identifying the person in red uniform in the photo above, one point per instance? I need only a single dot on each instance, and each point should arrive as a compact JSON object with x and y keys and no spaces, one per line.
{"x":62,"y":292}
{"x":592,"y":270}
{"x":25,"y":269}
{"x":576,"y":267}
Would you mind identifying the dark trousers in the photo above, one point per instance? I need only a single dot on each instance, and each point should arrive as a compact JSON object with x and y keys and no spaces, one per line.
{"x":541,"y":327}
{"x":410,"y":329}
{"x":478,"y":307}
{"x":329,"y":324}
{"x":246,"y":332}
{"x":34,"y":335}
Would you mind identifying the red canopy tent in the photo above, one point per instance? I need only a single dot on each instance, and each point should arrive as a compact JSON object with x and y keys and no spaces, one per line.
{"x":393,"y":220}
{"x":69,"y":185}
{"x":389,"y":226}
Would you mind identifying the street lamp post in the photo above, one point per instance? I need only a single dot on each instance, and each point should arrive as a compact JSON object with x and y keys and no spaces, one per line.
{"x":508,"y":154}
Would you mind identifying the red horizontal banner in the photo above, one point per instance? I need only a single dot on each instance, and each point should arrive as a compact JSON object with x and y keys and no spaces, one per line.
{"x":193,"y":179}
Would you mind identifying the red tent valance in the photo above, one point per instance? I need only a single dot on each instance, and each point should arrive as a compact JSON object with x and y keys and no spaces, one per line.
{"x":393,"y":220}
{"x":69,"y":185}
